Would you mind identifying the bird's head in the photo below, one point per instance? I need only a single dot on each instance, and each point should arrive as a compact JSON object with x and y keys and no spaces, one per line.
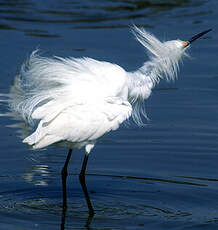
{"x":174,"y":47}
{"x":176,"y":44}
{"x":164,"y":56}
{"x":169,"y":49}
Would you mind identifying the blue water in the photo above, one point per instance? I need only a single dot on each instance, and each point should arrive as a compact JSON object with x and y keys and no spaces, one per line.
{"x":161,"y":176}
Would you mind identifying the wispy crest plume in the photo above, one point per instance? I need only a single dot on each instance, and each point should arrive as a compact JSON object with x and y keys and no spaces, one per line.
{"x":164,"y":56}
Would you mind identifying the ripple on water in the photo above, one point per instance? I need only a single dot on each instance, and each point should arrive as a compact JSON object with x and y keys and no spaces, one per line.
{"x":116,"y":198}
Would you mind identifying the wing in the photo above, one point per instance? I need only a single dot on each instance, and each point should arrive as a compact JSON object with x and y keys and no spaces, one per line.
{"x":47,"y":86}
{"x":81,"y":123}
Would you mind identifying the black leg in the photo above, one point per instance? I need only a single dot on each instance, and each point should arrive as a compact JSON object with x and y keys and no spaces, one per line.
{"x":63,"y":219}
{"x":64,"y":174}
{"x":83,"y":184}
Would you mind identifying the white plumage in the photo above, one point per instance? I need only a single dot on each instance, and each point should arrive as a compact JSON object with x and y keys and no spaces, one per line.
{"x":79,"y":100}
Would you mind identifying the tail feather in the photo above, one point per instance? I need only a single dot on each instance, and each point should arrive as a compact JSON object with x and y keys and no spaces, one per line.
{"x":46,"y":141}
{"x":36,"y":136}
{"x":42,"y":142}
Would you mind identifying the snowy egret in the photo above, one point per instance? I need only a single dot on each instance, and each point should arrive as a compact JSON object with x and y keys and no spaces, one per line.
{"x":75,"y":101}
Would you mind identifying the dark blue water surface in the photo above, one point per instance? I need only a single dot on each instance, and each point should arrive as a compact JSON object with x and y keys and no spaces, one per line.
{"x":162,"y":176}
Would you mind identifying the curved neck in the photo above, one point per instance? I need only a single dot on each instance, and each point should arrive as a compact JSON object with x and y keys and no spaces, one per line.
{"x":139,"y":85}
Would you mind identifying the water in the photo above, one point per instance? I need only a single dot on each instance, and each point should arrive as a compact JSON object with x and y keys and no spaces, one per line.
{"x":162,"y":176}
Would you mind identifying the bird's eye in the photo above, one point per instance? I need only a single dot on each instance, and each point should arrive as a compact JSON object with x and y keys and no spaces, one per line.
{"x":185,"y":44}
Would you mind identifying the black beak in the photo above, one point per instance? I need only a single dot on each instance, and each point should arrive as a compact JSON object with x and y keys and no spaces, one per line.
{"x":198,"y":36}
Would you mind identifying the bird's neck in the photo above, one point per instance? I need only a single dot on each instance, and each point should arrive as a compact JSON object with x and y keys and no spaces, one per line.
{"x":139,"y":85}
{"x":145,"y":78}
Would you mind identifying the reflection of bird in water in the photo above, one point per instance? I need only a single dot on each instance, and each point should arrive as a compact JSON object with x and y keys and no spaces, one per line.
{"x":75,"y":101}
{"x":37,"y":174}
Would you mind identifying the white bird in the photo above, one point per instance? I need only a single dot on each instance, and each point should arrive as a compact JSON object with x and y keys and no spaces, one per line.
{"x":75,"y":101}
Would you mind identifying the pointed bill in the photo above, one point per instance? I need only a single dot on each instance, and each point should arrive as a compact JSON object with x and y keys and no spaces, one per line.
{"x":199,"y":35}
{"x":195,"y":37}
